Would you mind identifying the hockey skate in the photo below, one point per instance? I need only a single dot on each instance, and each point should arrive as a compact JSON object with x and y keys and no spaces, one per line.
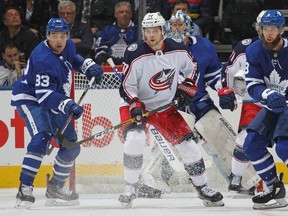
{"x":209,"y":196}
{"x":235,"y":185}
{"x":277,"y":192}
{"x":127,"y":197}
{"x":24,"y":197}
{"x":145,"y":191}
{"x":57,"y":196}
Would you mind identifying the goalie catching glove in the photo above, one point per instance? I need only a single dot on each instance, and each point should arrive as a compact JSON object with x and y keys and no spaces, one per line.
{"x":91,"y":69}
{"x":137,"y":110}
{"x":227,"y":99}
{"x":185,"y":93}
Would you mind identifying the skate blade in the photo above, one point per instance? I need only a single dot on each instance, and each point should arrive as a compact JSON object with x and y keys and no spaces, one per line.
{"x":127,"y":205}
{"x":279,"y":203}
{"x":59,"y":202}
{"x":22,"y":204}
{"x":213,"y":204}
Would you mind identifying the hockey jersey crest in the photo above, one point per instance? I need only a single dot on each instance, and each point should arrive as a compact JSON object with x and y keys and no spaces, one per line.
{"x":156,"y":73}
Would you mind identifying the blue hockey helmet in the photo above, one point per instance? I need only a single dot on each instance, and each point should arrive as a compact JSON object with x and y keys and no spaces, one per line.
{"x":57,"y":25}
{"x":273,"y":18}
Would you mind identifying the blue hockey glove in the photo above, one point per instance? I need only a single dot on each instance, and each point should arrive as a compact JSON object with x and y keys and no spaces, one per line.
{"x":72,"y":107}
{"x":137,"y":110}
{"x":185,"y":93}
{"x":91,"y":69}
{"x":274,"y":100}
{"x":227,"y":98}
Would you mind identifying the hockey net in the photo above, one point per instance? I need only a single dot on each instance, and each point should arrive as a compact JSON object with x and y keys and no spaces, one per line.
{"x":99,"y":167}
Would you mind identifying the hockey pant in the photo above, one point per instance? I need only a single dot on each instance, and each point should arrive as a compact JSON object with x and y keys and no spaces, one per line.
{"x":42,"y":124}
{"x":265,"y":130}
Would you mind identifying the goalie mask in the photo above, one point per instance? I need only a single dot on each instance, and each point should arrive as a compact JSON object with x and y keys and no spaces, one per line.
{"x":57,"y":25}
{"x":181,"y":25}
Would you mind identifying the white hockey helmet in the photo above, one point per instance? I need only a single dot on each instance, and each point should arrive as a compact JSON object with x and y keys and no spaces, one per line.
{"x":153,"y":20}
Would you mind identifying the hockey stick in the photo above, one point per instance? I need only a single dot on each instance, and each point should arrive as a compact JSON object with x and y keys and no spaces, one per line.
{"x":111,"y":63}
{"x":69,"y":144}
{"x":251,"y":101}
{"x":60,"y":132}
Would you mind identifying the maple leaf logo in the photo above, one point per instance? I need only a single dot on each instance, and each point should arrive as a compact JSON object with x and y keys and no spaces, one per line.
{"x":67,"y":86}
{"x":274,"y":82}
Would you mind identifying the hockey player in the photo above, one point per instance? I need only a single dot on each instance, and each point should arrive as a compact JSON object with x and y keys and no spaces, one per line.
{"x":151,"y":73}
{"x":234,"y":77}
{"x":42,"y":98}
{"x":266,"y":78}
{"x":208,"y":120}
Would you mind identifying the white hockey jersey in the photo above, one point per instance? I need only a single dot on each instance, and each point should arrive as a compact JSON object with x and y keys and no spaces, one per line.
{"x":153,"y":76}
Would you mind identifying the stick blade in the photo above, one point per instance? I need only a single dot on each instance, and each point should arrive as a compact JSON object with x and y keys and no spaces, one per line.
{"x":64,"y":141}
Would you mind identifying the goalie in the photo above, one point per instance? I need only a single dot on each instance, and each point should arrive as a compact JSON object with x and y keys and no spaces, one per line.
{"x":151,"y":73}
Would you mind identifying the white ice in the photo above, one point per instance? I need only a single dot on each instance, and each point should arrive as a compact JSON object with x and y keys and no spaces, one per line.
{"x":176,"y":204}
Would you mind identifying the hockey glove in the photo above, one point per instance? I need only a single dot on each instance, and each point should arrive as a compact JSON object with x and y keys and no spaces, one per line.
{"x":274,"y":100}
{"x":137,"y":110}
{"x":91,"y":69}
{"x":72,"y":107}
{"x":227,"y":98}
{"x":185,"y":93}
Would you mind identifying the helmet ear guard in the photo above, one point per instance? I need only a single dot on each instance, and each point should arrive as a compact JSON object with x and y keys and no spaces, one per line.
{"x":57,"y":25}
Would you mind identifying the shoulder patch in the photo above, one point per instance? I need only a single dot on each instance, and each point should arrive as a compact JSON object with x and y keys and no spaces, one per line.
{"x":132,"y":47}
{"x":246,"y":42}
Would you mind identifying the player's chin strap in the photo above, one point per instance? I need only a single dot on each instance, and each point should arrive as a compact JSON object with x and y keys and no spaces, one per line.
{"x":70,"y":144}
{"x":60,"y":132}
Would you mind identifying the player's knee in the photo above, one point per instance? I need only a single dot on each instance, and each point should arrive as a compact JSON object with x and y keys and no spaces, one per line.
{"x":281,"y":148}
{"x":132,"y":127}
{"x":39,"y":143}
{"x":68,"y":154}
{"x":189,"y":151}
{"x":250,"y":146}
{"x":135,"y":142}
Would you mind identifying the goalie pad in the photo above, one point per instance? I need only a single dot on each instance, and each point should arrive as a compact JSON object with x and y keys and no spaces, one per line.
{"x":220,"y":137}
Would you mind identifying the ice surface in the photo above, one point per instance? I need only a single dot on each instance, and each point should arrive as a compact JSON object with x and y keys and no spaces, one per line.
{"x":176,"y":204}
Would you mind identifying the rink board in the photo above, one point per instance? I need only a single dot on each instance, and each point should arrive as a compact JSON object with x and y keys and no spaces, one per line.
{"x":14,"y":137}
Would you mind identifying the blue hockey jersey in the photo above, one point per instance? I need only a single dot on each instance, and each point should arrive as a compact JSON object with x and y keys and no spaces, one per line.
{"x":47,"y":77}
{"x":209,"y":65}
{"x":266,"y":69}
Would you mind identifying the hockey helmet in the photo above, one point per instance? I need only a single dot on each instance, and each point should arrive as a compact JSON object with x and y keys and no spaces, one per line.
{"x":273,"y":18}
{"x":182,"y":17}
{"x":153,"y":20}
{"x":57,"y":25}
